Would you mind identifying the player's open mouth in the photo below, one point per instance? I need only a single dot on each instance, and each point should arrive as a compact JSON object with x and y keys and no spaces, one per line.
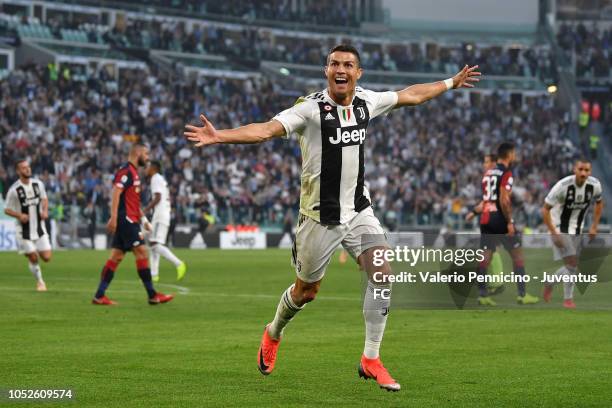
{"x":341,"y":81}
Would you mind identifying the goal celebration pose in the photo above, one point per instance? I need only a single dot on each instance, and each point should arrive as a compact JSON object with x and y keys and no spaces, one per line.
{"x":335,"y":208}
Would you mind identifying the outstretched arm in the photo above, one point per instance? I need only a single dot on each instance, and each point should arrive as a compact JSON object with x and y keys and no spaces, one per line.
{"x":420,"y":93}
{"x":254,"y":133}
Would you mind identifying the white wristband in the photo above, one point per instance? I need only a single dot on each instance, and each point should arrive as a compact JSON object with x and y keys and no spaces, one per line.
{"x":449,"y":83}
{"x":144,"y":220}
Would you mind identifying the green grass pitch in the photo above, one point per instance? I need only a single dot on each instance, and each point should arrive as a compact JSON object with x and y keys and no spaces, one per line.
{"x":200,"y":349}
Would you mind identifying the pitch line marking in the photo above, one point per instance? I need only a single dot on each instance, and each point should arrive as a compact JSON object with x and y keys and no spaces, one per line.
{"x":182,"y":290}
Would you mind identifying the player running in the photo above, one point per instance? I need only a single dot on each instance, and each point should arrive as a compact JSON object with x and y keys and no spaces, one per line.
{"x":497,"y":225}
{"x":160,"y":203}
{"x":126,"y":215}
{"x":335,"y":205}
{"x":569,"y":201}
{"x":26,"y":201}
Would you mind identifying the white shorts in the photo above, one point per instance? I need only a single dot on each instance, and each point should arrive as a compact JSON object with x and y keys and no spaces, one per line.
{"x":572,"y":245}
{"x":27,"y":246}
{"x":315,"y":243}
{"x":159,"y":233}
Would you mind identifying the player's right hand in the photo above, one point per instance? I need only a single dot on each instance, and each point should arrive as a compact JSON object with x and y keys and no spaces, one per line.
{"x":202,"y":135}
{"x":511,"y":230}
{"x":23,"y":218}
{"x":556,"y":239}
{"x":111,"y":226}
{"x":470,"y":216}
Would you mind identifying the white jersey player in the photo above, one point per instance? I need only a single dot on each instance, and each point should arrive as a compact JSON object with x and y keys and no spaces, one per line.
{"x":335,"y":207}
{"x":564,"y":213}
{"x":160,"y":204}
{"x":27,"y":202}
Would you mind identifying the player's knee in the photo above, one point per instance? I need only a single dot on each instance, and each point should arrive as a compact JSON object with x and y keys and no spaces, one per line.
{"x":571,"y":262}
{"x":117,"y":258}
{"x":140,"y":251}
{"x":33,"y":257}
{"x":305,"y":295}
{"x":46,"y":256}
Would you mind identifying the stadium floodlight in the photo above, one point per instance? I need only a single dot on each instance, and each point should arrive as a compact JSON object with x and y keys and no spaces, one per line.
{"x":552,"y":89}
{"x":284,"y":71}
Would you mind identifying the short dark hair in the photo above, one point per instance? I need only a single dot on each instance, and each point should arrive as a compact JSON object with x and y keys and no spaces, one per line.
{"x":344,"y":48}
{"x":156,"y":164}
{"x":504,"y":149}
{"x":491,"y":156}
{"x":582,"y":159}
{"x":19,"y":161}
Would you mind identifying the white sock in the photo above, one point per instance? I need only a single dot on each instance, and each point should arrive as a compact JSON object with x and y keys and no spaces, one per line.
{"x":35,"y":269}
{"x":559,"y":272}
{"x":284,"y":313}
{"x":375,"y":313}
{"x":154,"y":260}
{"x":166,"y":253}
{"x":568,"y":287}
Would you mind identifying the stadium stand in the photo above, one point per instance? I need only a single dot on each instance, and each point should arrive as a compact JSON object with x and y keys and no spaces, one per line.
{"x":588,"y":47}
{"x":88,"y":121}
{"x":71,"y":120}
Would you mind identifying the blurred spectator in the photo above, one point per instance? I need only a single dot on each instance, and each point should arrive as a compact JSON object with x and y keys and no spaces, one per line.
{"x":423,"y":166}
{"x":588,"y":47}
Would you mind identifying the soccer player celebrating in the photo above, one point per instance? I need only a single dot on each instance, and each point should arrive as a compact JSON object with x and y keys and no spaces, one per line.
{"x":497,"y":225}
{"x":124,"y":224}
{"x":569,"y":201}
{"x":335,"y":205}
{"x":160,"y":203}
{"x":26,"y":201}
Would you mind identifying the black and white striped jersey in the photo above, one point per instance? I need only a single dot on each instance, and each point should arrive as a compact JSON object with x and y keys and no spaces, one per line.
{"x":332,"y":140}
{"x":570,"y":202}
{"x":27,"y":199}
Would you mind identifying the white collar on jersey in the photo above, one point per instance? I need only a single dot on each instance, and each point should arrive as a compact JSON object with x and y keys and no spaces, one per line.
{"x":332,"y":102}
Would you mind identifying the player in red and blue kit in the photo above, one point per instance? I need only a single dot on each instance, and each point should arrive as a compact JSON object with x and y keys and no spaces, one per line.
{"x":124,"y":224}
{"x":497,"y":225}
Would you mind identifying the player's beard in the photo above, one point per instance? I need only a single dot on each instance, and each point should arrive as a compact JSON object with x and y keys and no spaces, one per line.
{"x":142,"y":162}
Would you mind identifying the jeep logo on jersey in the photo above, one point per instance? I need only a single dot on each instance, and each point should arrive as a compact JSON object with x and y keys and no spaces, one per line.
{"x":348,"y":137}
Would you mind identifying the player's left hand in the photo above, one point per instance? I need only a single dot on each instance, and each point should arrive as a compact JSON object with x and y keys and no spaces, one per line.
{"x":511,"y":230}
{"x":592,"y":233}
{"x":44,"y":214}
{"x":465,"y":77}
{"x":148,"y":227}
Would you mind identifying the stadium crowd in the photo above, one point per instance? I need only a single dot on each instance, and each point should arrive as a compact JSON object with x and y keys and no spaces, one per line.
{"x":424,"y":165}
{"x":260,"y":44}
{"x":591,"y":46}
{"x":336,"y":13}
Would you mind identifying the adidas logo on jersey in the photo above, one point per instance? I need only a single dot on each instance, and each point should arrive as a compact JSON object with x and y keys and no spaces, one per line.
{"x":329,"y":117}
